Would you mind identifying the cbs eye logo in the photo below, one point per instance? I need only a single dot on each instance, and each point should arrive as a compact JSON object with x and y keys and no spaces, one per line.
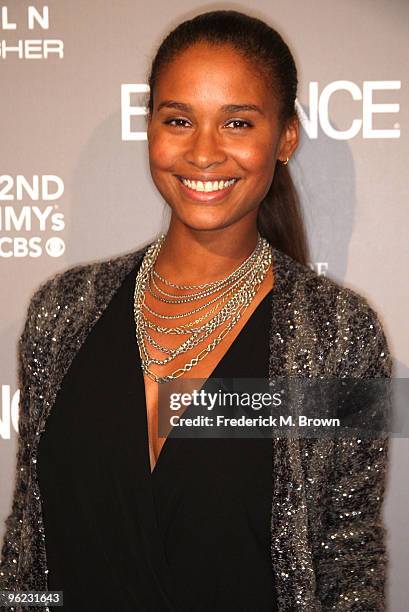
{"x":55,"y":247}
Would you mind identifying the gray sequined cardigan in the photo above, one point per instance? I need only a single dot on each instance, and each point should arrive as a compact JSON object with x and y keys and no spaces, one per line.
{"x":328,"y":547}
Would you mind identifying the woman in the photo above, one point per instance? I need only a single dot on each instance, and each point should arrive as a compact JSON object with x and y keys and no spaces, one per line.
{"x":105,"y":509}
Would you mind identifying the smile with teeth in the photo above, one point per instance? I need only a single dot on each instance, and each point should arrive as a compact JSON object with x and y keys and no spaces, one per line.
{"x":207,"y":185}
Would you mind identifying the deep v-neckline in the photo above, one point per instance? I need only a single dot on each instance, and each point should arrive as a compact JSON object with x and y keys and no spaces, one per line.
{"x":213,"y":373}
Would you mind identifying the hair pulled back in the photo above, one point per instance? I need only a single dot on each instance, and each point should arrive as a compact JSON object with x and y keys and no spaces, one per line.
{"x":279,"y":217}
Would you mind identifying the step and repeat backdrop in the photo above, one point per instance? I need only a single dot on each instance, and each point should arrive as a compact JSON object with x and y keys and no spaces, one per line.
{"x":75,"y":183}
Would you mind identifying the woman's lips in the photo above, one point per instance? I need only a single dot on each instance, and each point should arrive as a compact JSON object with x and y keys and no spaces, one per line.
{"x":206,"y":196}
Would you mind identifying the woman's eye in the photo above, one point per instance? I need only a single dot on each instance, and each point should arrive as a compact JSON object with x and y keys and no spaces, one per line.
{"x":172,"y":122}
{"x":240,"y":123}
{"x":179,"y":122}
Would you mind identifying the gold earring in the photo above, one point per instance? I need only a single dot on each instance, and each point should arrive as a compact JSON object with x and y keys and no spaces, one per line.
{"x":285,"y":162}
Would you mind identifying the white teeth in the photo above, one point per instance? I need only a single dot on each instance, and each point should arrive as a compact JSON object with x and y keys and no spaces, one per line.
{"x":208,"y":185}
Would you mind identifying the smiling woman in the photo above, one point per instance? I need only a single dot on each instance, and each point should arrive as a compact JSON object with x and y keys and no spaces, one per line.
{"x":215,"y":115}
{"x":180,"y":523}
{"x":209,"y":140}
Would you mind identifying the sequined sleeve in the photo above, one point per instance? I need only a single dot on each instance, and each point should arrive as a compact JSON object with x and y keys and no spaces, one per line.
{"x":13,"y":536}
{"x":353,"y":557}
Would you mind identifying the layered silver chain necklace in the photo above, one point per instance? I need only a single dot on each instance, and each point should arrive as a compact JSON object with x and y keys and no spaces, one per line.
{"x":238,"y":291}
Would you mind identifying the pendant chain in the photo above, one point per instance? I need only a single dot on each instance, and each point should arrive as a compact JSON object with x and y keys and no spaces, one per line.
{"x":242,"y":285}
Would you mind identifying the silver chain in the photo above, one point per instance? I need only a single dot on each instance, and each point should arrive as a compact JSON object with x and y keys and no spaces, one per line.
{"x":239,"y":273}
{"x":238,"y":270}
{"x":249,"y":275}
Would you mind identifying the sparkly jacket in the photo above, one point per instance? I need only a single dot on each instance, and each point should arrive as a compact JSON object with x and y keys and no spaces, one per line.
{"x":328,"y":549}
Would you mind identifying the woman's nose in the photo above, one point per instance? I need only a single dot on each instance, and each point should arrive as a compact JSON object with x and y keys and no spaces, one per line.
{"x":205,"y":148}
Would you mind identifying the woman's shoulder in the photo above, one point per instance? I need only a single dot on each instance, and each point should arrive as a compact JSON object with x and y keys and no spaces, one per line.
{"x":86,"y":273}
{"x":316,"y":292}
{"x":75,"y":288}
{"x":335,"y":315}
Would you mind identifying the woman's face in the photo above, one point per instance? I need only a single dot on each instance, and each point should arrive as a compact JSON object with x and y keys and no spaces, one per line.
{"x":202,"y":129}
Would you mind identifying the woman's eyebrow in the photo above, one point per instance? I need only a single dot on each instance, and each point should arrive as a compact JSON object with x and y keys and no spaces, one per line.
{"x":227,"y":108}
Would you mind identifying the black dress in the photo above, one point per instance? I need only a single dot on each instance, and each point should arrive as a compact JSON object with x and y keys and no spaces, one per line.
{"x":192,"y":536}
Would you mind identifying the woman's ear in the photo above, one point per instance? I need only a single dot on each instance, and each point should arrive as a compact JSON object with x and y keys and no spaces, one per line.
{"x":289,"y":138}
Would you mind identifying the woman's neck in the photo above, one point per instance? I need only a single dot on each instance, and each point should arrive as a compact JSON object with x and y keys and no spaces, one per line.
{"x":197,"y":257}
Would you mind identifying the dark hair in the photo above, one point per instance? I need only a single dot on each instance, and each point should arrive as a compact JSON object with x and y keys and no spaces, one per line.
{"x":279,"y":217}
